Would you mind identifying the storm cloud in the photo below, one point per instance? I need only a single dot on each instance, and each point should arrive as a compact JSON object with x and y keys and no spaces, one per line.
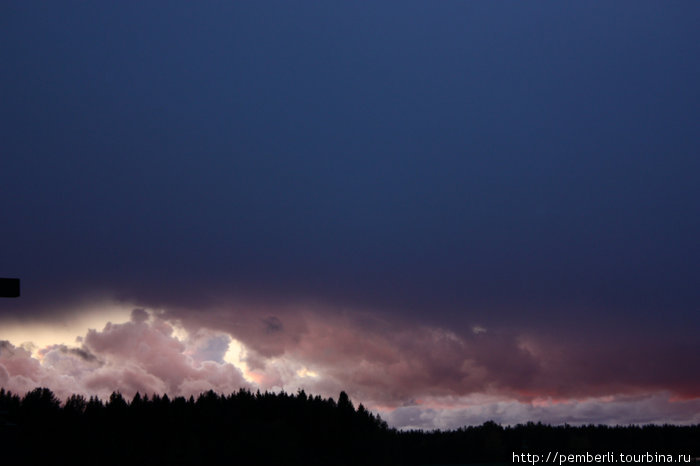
{"x":407,"y":201}
{"x":418,"y":376}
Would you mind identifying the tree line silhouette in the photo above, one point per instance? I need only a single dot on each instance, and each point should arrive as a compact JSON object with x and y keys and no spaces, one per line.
{"x":281,"y":428}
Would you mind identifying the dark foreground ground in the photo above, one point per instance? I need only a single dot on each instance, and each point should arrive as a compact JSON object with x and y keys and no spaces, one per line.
{"x":280,"y":429}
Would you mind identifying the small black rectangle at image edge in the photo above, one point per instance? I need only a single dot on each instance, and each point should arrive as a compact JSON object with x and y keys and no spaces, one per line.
{"x":9,"y":287}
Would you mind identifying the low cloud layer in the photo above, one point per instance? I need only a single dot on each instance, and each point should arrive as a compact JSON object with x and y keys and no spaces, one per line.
{"x":656,"y":408}
{"x":391,"y":362}
{"x":415,"y":375}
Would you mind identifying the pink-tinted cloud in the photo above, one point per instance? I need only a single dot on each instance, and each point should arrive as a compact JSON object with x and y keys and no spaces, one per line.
{"x":418,"y":375}
{"x":140,"y":355}
{"x":453,"y":412}
{"x":393,"y":362}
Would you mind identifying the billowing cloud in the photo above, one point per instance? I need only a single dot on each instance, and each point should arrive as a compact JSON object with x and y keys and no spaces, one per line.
{"x":391,"y":362}
{"x":143,"y":354}
{"x":415,"y":375}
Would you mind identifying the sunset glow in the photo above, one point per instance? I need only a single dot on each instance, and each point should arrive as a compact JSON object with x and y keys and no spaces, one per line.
{"x":452,"y":211}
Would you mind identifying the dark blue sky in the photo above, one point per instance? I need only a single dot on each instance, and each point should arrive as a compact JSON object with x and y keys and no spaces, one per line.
{"x":519,"y":163}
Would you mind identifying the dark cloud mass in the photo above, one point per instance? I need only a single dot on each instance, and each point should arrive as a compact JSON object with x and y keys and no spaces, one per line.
{"x":410,"y":200}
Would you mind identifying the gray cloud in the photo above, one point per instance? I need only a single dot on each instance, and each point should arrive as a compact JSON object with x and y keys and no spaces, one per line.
{"x":656,"y":408}
{"x":416,"y":375}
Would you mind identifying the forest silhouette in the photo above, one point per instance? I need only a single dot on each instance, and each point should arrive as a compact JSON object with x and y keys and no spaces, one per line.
{"x":281,"y":428}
